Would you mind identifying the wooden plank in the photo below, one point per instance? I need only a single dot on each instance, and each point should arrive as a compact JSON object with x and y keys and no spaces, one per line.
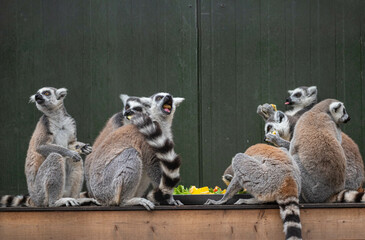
{"x":345,"y":223}
{"x":219,"y":88}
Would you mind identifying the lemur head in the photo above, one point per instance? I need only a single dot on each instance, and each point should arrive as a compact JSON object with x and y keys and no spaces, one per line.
{"x":339,"y":113}
{"x":163,"y":106}
{"x":302,"y":96}
{"x":133,"y":105}
{"x":49,"y":98}
{"x":279,"y":123}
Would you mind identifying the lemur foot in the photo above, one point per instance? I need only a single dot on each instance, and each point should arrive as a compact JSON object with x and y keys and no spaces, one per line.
{"x":66,"y":202}
{"x":213,"y":202}
{"x":88,"y":201}
{"x":175,"y":202}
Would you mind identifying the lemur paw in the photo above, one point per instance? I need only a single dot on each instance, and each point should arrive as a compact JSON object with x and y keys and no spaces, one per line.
{"x":147,"y":204}
{"x":88,"y":201}
{"x":265,"y":110}
{"x":75,"y":156}
{"x":172,"y":201}
{"x":212,"y":202}
{"x":271,"y":138}
{"x":66,"y":202}
{"x":86,"y":149}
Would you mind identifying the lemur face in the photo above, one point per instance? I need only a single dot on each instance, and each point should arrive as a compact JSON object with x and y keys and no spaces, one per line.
{"x":48,"y":98}
{"x":302,"y":96}
{"x":339,"y":113}
{"x":133,"y":105}
{"x":163,"y":104}
{"x":279,"y":123}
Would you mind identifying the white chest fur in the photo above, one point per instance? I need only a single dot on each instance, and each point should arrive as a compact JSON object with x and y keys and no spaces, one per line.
{"x":63,"y":130}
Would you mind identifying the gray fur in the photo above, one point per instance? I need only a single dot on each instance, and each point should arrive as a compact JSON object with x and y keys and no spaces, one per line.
{"x":316,"y":147}
{"x":53,"y":168}
{"x":125,"y":163}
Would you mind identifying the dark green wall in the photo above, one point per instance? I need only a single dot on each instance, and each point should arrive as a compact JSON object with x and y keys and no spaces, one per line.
{"x":224,"y":57}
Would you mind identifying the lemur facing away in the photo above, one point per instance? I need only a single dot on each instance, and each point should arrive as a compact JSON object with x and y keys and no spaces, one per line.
{"x":284,"y":126}
{"x":316,"y":147}
{"x":53,"y":166}
{"x":270,"y":175}
{"x":132,"y":105}
{"x":136,"y":155}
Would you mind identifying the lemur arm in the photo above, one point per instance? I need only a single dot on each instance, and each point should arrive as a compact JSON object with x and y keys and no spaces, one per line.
{"x":47,"y":149}
{"x":277,"y":141}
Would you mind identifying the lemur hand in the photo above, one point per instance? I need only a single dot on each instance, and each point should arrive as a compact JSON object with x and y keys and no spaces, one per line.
{"x":272,"y":138}
{"x":75,"y":156}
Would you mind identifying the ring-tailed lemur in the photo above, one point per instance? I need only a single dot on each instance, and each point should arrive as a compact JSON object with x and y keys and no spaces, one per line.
{"x":270,"y":175}
{"x":135,"y":155}
{"x":316,"y":147}
{"x":302,"y":99}
{"x":132,"y":105}
{"x":53,"y":166}
{"x":284,"y":125}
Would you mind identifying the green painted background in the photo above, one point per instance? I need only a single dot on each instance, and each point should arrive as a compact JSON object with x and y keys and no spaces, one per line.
{"x":224,"y":57}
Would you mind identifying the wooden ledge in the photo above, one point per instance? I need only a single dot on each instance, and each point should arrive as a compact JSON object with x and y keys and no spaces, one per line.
{"x":319,"y":221}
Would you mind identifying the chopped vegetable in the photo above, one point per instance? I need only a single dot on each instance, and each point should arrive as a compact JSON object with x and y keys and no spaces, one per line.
{"x":181,"y":190}
{"x":274,"y":106}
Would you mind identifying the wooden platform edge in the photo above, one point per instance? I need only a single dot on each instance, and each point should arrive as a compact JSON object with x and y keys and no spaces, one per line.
{"x":317,"y":223}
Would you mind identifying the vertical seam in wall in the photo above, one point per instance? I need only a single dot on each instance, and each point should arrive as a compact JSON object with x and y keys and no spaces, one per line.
{"x":199,"y":97}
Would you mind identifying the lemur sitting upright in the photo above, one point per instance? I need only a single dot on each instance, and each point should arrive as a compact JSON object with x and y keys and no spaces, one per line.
{"x":53,"y":166}
{"x":316,"y":147}
{"x":135,"y":155}
{"x":132,"y":105}
{"x":270,"y":175}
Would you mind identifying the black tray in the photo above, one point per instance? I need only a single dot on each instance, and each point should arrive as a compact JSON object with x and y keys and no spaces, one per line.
{"x":200,"y":199}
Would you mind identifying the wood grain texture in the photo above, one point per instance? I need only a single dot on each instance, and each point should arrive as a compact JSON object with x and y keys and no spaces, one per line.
{"x":343,"y":223}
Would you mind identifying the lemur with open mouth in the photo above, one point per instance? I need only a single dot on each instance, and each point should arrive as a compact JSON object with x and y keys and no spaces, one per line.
{"x":136,"y":155}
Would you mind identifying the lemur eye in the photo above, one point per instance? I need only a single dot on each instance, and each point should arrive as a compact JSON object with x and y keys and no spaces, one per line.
{"x":158,"y":98}
{"x":46,"y":93}
{"x":127,"y":107}
{"x":298,"y":95}
{"x":138,"y":109}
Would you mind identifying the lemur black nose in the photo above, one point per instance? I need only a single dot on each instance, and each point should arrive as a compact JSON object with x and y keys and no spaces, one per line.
{"x":39,"y":99}
{"x":347,"y":119}
{"x":288,"y":101}
{"x":128,"y":112}
{"x":168,"y":97}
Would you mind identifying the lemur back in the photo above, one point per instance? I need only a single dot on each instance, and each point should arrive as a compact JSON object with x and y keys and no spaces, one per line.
{"x":316,"y":147}
{"x":132,"y":105}
{"x":270,"y":175}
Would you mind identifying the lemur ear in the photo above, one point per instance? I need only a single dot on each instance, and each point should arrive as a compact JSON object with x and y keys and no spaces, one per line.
{"x":32,"y":99}
{"x":281,"y":116}
{"x":146,"y":101}
{"x":61,"y":93}
{"x":178,"y":100}
{"x":312,"y":90}
{"x":335,"y":106}
{"x":290,"y":91}
{"x":124,"y":98}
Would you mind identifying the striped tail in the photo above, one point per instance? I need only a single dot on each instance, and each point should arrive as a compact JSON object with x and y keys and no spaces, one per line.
{"x":349,"y":196}
{"x":14,"y":201}
{"x":290,"y":214}
{"x":169,"y":161}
